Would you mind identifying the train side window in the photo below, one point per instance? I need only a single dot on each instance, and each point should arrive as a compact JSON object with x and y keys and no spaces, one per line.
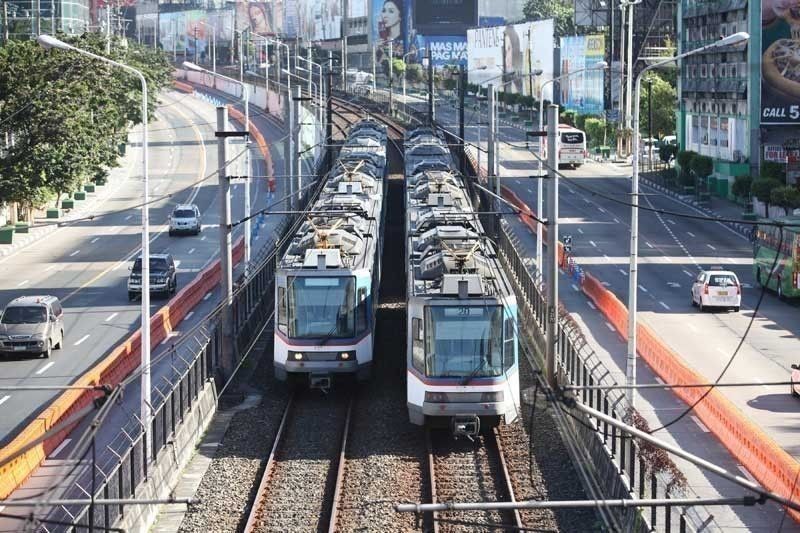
{"x":281,"y":306}
{"x":509,"y":343}
{"x":361,"y":310}
{"x":417,"y":350}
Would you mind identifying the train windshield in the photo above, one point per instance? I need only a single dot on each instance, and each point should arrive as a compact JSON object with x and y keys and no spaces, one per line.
{"x":322,"y":307}
{"x":463,"y":341}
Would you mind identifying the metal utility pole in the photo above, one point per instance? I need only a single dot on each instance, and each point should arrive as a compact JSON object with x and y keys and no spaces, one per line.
{"x":174,"y":41}
{"x":650,"y":120}
{"x":373,"y":69}
{"x":552,"y":246}
{"x":629,"y":80}
{"x":108,"y":28}
{"x":225,"y":239}
{"x":430,"y":86}
{"x":308,"y":61}
{"x":462,"y":90}
{"x":391,"y":77}
{"x":5,"y":22}
{"x":345,"y":9}
{"x":490,"y":170}
{"x":296,"y":107}
{"x":329,"y":111}
{"x":288,"y":149}
{"x":241,"y":56}
{"x":195,"y":45}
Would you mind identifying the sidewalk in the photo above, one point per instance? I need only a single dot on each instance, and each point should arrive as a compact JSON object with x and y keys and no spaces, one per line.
{"x":46,"y":226}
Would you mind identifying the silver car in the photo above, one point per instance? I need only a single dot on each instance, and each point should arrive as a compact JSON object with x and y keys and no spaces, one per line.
{"x":185,"y":219}
{"x":32,"y":324}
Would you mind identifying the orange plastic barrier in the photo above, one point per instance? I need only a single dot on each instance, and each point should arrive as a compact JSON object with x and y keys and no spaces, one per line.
{"x":256,"y":137}
{"x":119,"y":364}
{"x":183,"y":87}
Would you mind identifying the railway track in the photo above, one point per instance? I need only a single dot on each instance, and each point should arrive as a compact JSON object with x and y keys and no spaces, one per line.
{"x":302,"y":480}
{"x":469,"y":471}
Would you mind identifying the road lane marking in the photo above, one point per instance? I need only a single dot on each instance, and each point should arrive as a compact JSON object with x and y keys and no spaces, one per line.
{"x":688,"y":273}
{"x":720,"y":350}
{"x":593,"y":244}
{"x":203,"y":238}
{"x":747,"y":474}
{"x":648,"y":244}
{"x":575,"y":288}
{"x":590,"y":304}
{"x":23,"y":282}
{"x":690,"y":234}
{"x":601,"y":209}
{"x":661,"y":381}
{"x":207,"y":296}
{"x":111,"y":317}
{"x":665,"y":306}
{"x":60,"y":447}
{"x":128,"y":217}
{"x":641,"y":288}
{"x":191,"y":251}
{"x":609,"y":326}
{"x":171,"y":335}
{"x":699,"y":423}
{"x":691,"y":327}
{"x":188,"y":315}
{"x":44,"y":368}
{"x":94,"y":240}
{"x":608,"y":259}
{"x":580,"y":231}
{"x":51,"y":267}
{"x":80,"y":341}
{"x":616,"y":221}
{"x":671,"y":221}
{"x":667,"y":259}
{"x":710,"y":246}
{"x":76,"y":252}
{"x":4,"y":399}
{"x":623,"y":272}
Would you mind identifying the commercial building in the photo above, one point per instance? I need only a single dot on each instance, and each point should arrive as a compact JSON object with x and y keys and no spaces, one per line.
{"x":25,"y":19}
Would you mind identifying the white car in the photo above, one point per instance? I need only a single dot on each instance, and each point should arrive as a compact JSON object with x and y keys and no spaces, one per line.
{"x":185,"y":219}
{"x":717,"y":288}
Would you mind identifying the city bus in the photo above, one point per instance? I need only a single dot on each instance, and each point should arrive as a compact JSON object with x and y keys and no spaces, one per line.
{"x":785,"y":280}
{"x":571,"y":146}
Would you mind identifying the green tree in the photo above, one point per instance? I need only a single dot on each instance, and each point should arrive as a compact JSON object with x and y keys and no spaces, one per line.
{"x":562,"y":11}
{"x":667,"y":152}
{"x":787,"y":197}
{"x":771,"y":169}
{"x":741,"y":186}
{"x":594,"y":127}
{"x":663,"y":107}
{"x":762,"y":189}
{"x":702,"y":166}
{"x":414,"y":72}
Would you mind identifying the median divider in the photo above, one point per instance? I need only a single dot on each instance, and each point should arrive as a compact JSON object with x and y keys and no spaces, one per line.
{"x":770,"y":464}
{"x":255,"y":136}
{"x":183,"y":87}
{"x":120,"y":363}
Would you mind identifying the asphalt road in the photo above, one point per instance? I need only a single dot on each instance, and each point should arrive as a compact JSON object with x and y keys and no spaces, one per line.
{"x":593,"y":210}
{"x":86,"y":264}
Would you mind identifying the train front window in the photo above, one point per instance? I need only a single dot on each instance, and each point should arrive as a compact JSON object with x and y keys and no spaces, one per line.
{"x":321,"y":307}
{"x":463,"y":341}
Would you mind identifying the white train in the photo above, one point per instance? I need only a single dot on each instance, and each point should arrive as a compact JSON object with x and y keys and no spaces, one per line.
{"x":462,"y":354}
{"x":326,"y":284}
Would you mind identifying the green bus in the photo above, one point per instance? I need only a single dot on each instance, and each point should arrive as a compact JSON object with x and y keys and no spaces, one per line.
{"x":785,"y":280}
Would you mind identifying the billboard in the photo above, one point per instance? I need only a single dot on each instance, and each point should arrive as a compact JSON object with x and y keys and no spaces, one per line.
{"x":182,"y":29}
{"x":388,"y":26}
{"x":780,"y":82}
{"x":323,"y":20}
{"x":262,"y":18}
{"x":358,"y":9}
{"x":445,"y":49}
{"x":444,"y":17}
{"x":508,"y":54}
{"x":584,"y":92}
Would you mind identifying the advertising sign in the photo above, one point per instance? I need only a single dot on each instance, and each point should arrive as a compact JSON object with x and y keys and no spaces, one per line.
{"x":444,"y":17}
{"x":323,"y":19}
{"x":262,"y":18}
{"x":508,"y":54}
{"x":388,"y":26}
{"x":185,"y":28}
{"x":445,"y":50}
{"x":358,"y":9}
{"x":582,"y":92}
{"x":291,"y":22}
{"x":780,"y":78}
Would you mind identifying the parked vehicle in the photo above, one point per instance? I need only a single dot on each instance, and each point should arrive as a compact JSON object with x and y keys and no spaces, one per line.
{"x":32,"y":324}
{"x":163,"y":276}
{"x":785,"y":279}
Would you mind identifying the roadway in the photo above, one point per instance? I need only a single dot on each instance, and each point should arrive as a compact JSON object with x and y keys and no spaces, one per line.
{"x":672,"y":251}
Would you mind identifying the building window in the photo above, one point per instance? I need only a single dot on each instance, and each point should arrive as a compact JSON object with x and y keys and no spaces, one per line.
{"x":704,"y":130}
{"x":723,"y":132}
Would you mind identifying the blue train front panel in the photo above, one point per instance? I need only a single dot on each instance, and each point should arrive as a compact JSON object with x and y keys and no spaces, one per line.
{"x":324,"y":323}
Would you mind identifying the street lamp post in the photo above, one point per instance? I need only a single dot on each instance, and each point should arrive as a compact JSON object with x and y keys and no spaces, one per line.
{"x":288,"y":65}
{"x":246,"y":98}
{"x":51,"y":42}
{"x":630,"y":370}
{"x":213,"y":45}
{"x":600,"y":65}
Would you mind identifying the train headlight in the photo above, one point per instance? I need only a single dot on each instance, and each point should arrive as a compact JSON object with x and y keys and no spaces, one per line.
{"x":346,"y":356}
{"x":297,"y":356}
{"x":435,"y":397}
{"x":496,"y":396}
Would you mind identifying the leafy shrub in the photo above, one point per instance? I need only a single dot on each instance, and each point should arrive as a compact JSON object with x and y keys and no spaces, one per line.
{"x":762,"y":188}
{"x":741,"y":186}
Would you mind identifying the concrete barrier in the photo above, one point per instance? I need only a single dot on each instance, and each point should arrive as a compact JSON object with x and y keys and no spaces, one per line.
{"x":114,"y":368}
{"x":183,"y":87}
{"x":255,"y":136}
{"x":770,"y":464}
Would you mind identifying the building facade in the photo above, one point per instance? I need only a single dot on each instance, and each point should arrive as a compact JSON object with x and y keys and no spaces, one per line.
{"x":715,"y":89}
{"x":25,"y":19}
